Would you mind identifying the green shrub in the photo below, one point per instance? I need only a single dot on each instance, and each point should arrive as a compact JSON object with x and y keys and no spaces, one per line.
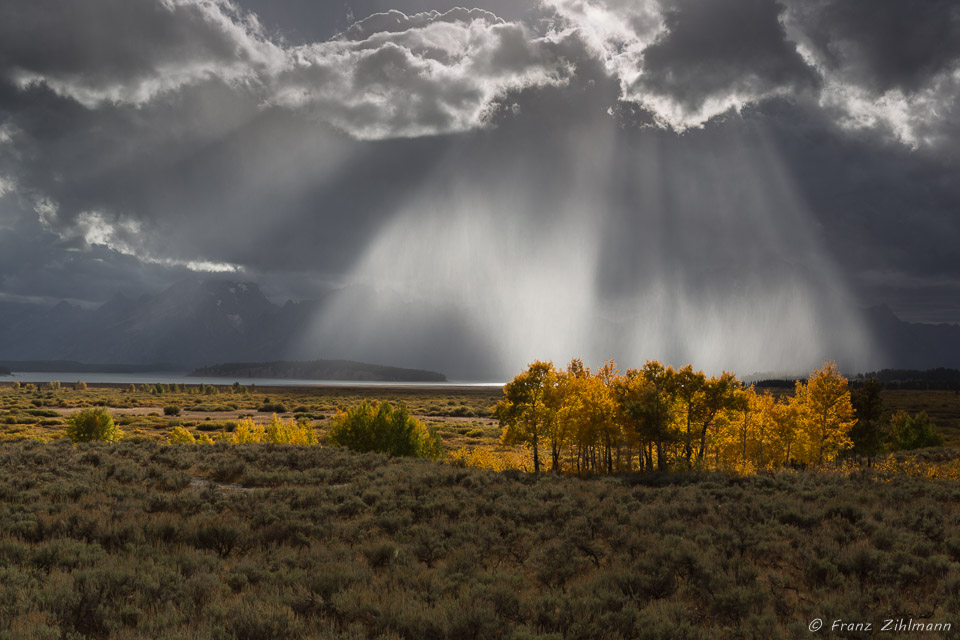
{"x":913,"y":432}
{"x":385,"y":430}
{"x":93,"y":425}
{"x":171,"y":410}
{"x":43,"y":413}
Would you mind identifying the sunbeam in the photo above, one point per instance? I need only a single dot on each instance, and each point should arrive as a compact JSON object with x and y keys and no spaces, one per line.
{"x":712,"y":258}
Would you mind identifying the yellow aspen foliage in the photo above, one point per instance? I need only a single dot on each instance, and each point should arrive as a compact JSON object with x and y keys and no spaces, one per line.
{"x":248,"y":431}
{"x":826,"y":414}
{"x":179,"y":435}
{"x":278,"y":431}
{"x":482,"y":458}
{"x":783,"y":418}
{"x":688,"y":388}
{"x":761,"y":407}
{"x":658,"y":417}
{"x":527,"y":411}
{"x":289,"y":432}
{"x":732,"y":428}
{"x":647,"y":408}
{"x":588,"y":414}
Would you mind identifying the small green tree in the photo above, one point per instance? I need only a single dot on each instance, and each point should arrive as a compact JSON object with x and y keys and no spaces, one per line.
{"x":94,"y":424}
{"x":913,"y":432}
{"x":383,"y":429}
{"x":868,"y":433}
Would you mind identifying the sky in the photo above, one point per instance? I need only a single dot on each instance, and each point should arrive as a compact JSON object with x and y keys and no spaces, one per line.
{"x":727,"y":182}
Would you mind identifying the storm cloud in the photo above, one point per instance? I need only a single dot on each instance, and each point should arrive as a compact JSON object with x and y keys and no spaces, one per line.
{"x":636,"y":155}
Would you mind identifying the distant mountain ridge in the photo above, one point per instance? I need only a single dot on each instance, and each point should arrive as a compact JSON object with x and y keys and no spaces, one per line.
{"x":319,"y":370}
{"x":192,"y":323}
{"x":940,"y":378}
{"x":910,"y":345}
{"x":70,"y":366}
{"x":198,"y":322}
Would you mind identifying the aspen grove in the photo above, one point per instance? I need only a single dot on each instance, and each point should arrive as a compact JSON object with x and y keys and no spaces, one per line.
{"x":656,"y":418}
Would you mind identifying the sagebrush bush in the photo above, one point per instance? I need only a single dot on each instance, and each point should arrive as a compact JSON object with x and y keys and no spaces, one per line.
{"x":384,"y":429}
{"x":93,"y":425}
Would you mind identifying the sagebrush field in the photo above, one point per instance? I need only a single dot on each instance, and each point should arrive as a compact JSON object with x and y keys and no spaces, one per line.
{"x":146,"y":412}
{"x":144,"y":540}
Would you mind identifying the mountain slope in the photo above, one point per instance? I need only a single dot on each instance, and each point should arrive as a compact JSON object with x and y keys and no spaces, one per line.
{"x":194,"y":322}
{"x":198,"y":322}
{"x":912,"y":345}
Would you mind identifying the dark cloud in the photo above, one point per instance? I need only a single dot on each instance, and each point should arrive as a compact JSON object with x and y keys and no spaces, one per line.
{"x":673,"y":168}
{"x":36,"y":264}
{"x":883,"y":44}
{"x":886,"y":212}
{"x":225,"y":186}
{"x":717,"y":50}
{"x":125,"y":50}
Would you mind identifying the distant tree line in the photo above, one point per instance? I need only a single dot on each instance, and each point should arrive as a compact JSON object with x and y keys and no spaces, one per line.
{"x":658,"y":418}
{"x":940,"y":379}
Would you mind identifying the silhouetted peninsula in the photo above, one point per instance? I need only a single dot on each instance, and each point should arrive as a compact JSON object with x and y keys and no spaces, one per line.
{"x":319,"y":370}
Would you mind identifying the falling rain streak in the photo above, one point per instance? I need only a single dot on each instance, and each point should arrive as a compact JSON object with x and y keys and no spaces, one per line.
{"x":692,"y":248}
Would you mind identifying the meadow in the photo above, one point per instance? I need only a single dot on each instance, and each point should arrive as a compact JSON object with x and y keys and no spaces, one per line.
{"x":145,"y":540}
{"x":462,"y":416}
{"x":142,"y":539}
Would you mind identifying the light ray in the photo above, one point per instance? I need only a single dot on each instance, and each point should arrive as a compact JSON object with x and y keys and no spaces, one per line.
{"x":715,"y":261}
